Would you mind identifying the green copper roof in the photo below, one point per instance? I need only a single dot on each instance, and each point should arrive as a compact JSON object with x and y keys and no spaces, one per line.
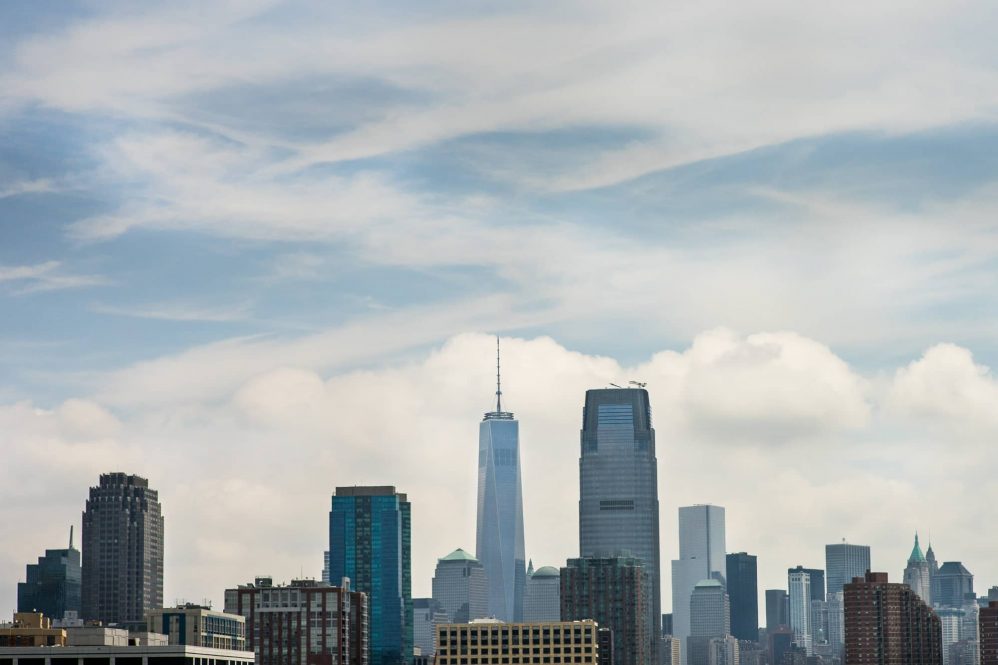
{"x":459,"y":555}
{"x":916,"y":553}
{"x":547,"y":571}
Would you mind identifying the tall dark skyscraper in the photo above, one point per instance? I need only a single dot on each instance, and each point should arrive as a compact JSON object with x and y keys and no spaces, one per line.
{"x":954,"y":583}
{"x":618,"y":482}
{"x":122,"y":562}
{"x":52,"y":585}
{"x":370,"y":531}
{"x":777,"y":609}
{"x":844,"y":562}
{"x":499,"y":541}
{"x":743,"y":591}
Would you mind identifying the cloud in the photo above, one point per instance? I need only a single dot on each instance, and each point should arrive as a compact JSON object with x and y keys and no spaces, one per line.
{"x":270,"y":444}
{"x":38,"y":186}
{"x":946,"y":387}
{"x":178,"y":312}
{"x":47,"y":276}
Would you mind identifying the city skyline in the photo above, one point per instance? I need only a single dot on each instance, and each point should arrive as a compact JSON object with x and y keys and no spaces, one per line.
{"x":256,"y":251}
{"x":420,"y":583}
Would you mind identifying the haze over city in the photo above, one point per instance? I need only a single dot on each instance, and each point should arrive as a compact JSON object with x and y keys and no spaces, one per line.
{"x":255,"y":251}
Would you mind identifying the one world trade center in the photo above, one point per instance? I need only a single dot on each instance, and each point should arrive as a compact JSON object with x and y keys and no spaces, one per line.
{"x":499,"y":543}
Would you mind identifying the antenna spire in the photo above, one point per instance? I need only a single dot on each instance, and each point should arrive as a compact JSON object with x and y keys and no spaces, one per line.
{"x":498,"y":381}
{"x":70,"y":536}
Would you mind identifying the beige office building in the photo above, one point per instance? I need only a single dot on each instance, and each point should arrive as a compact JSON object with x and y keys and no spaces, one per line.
{"x":199,"y":626}
{"x":491,"y":642}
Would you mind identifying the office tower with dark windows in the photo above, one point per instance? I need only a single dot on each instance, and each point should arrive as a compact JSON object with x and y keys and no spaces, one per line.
{"x":888,"y":624}
{"x":743,"y":591}
{"x":954,"y":584}
{"x":611,"y":591}
{"x":304,"y":623}
{"x":618,"y":487}
{"x":917,"y":574}
{"x":499,"y":540}
{"x":843,"y":562}
{"x":492,"y":642}
{"x":369,"y":542}
{"x":460,"y":587}
{"x":777,"y":609}
{"x":122,"y":560}
{"x":799,"y":585}
{"x":52,"y":586}
{"x":543,"y":602}
{"x":988,"y":629}
{"x":701,"y":557}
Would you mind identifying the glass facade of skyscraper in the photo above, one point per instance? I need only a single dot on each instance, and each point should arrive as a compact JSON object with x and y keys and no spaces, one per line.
{"x":52,"y":585}
{"x":618,"y":476}
{"x":843,"y":562}
{"x":369,"y":542}
{"x":743,"y":591}
{"x":499,"y":535}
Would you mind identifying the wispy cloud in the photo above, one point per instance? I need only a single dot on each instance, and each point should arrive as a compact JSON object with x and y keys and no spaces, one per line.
{"x":39,"y":186}
{"x":47,"y":276}
{"x":179,"y":312}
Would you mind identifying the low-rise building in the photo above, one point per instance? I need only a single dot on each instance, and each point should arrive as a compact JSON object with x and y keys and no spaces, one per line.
{"x":123,"y":655}
{"x":491,"y":642}
{"x":31,"y":629}
{"x":201,"y":626}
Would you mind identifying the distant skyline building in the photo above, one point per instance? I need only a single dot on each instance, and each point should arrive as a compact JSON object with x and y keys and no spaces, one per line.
{"x":618,"y":489}
{"x":836,"y":621}
{"x":370,"y":532}
{"x":954,"y":584}
{"x":799,"y":585}
{"x":743,"y":592}
{"x":426,"y":616}
{"x":499,"y":544}
{"x":460,"y":587}
{"x":917,"y":574}
{"x":930,"y":556}
{"x":777,"y":609}
{"x":988,"y":630}
{"x":543,"y":601}
{"x":843,"y":562}
{"x":611,"y":591}
{"x":701,"y":557}
{"x":886,"y":623}
{"x":122,"y":559}
{"x":53,"y":585}
{"x":710,"y":619}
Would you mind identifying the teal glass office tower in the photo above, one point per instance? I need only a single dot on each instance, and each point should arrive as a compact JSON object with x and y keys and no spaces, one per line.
{"x":499,"y":540}
{"x":369,"y":542}
{"x":52,"y":585}
{"x":618,"y":488}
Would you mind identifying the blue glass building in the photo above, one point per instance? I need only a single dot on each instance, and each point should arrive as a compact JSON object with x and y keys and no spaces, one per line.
{"x":499,"y":534}
{"x":52,"y":585}
{"x":618,"y":488}
{"x":369,"y":542}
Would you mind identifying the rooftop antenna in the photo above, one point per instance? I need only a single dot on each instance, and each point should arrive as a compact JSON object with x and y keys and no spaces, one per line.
{"x":498,"y":382}
{"x":639,"y":384}
{"x":70,"y":536}
{"x":615,"y":385}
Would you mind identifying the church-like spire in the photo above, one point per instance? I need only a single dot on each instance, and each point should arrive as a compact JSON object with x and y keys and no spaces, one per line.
{"x":916,"y":552}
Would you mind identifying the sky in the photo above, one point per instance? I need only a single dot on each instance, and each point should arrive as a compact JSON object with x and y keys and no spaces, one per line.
{"x":255,"y":250}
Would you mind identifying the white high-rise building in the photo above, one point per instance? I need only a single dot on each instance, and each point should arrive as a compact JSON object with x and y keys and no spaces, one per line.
{"x":543,"y":599}
{"x":799,"y":590}
{"x":836,"y":622}
{"x":843,"y":562}
{"x":918,"y":574}
{"x":701,"y":557}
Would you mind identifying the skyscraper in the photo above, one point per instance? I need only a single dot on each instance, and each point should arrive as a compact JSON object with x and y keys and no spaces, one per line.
{"x":369,"y":542}
{"x":122,"y":561}
{"x":844,"y":562}
{"x":611,"y":591}
{"x":618,"y":483}
{"x":777,"y":609}
{"x":954,"y":583}
{"x":710,"y":612}
{"x":499,"y":541}
{"x":460,"y":587}
{"x":743,"y":591}
{"x":887,"y":624}
{"x":988,"y":627}
{"x":917,"y":574}
{"x":543,"y":601}
{"x":701,"y":557}
{"x":52,"y":586}
{"x":799,"y":584}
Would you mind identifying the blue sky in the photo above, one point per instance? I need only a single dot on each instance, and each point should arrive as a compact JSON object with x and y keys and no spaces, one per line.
{"x":200,"y":202}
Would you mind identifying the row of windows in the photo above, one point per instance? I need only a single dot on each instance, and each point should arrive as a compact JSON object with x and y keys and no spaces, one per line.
{"x":514,"y":660}
{"x":515,"y":651}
